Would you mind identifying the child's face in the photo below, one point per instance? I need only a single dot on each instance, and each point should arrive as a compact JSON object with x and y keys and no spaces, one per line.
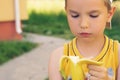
{"x":87,"y":18}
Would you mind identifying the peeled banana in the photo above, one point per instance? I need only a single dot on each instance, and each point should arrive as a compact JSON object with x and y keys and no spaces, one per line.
{"x":74,"y":69}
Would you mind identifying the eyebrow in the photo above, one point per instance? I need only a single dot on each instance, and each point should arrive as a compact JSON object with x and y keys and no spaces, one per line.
{"x":73,"y":11}
{"x":94,"y":11}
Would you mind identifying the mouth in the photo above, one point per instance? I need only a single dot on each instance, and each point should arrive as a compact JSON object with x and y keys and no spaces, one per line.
{"x":84,"y":34}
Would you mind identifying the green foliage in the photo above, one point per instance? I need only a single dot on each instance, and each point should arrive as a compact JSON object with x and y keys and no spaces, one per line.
{"x":48,"y":24}
{"x":12,"y":49}
{"x":114,"y":33}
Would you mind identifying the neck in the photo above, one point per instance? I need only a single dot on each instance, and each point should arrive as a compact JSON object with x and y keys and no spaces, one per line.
{"x":90,"y":48}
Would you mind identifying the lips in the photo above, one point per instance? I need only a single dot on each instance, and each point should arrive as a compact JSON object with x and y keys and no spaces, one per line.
{"x":84,"y":34}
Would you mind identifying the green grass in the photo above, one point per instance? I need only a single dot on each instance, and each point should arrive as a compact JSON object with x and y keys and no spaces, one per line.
{"x":48,"y":24}
{"x":12,"y":49}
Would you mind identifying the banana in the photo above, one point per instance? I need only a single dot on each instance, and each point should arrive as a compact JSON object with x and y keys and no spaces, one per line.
{"x":74,"y":69}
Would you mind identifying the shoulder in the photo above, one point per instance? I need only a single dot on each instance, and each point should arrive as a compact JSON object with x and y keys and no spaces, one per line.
{"x":57,"y":53}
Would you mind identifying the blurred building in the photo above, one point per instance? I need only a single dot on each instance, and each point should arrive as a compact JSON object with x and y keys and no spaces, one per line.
{"x":12,"y":12}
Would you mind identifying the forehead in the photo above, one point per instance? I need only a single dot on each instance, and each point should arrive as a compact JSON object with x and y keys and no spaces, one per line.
{"x":85,"y":4}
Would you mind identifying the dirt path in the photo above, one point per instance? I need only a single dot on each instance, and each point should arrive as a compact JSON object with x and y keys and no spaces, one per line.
{"x":32,"y":65}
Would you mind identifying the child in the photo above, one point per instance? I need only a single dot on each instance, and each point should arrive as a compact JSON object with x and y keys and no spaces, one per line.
{"x":87,"y":20}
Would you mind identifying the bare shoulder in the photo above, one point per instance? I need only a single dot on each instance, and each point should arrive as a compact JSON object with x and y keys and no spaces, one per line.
{"x":57,"y":53}
{"x":53,"y":67}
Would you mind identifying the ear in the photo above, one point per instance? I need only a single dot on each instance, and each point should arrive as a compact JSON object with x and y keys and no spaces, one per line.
{"x":111,"y":13}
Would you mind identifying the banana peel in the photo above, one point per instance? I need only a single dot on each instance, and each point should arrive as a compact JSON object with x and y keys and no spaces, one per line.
{"x":75,"y":67}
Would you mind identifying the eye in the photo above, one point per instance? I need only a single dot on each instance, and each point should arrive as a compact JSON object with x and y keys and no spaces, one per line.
{"x":75,"y":16}
{"x":94,"y":16}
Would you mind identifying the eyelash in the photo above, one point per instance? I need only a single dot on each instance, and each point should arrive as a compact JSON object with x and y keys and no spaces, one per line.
{"x":75,"y":16}
{"x":93,"y":16}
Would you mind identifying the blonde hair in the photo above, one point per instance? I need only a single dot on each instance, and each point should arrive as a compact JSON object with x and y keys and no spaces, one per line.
{"x":107,"y":3}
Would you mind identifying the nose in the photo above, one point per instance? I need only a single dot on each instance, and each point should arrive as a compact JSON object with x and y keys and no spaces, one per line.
{"x":84,"y":23}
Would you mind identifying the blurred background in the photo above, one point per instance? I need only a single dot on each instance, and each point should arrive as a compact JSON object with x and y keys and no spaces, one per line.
{"x":44,"y":17}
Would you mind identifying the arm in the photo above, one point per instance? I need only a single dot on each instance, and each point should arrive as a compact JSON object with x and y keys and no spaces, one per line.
{"x":53,"y":68}
{"x":118,"y":74}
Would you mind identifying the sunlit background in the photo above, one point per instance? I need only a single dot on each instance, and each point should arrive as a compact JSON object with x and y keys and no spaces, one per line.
{"x":46,"y":6}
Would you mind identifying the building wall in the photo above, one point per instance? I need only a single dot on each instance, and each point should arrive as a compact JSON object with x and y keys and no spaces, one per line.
{"x":8,"y":31}
{"x":7,"y":12}
{"x":7,"y":19}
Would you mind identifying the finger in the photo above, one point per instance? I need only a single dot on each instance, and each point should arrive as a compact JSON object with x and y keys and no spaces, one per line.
{"x":97,"y":68}
{"x":96,"y":74}
{"x":93,"y":78}
{"x":101,"y":75}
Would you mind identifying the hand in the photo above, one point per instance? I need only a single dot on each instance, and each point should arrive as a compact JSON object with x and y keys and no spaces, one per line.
{"x":98,"y":73}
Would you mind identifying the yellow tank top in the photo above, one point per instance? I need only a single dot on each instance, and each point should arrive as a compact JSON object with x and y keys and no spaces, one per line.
{"x":108,"y":55}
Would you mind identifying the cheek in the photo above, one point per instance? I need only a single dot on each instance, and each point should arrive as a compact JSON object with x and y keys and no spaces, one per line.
{"x":99,"y":27}
{"x":99,"y":22}
{"x":73,"y":23}
{"x":74,"y":26}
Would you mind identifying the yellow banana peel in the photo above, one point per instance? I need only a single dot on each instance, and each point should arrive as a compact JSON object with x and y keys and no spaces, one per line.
{"x":75,"y":67}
